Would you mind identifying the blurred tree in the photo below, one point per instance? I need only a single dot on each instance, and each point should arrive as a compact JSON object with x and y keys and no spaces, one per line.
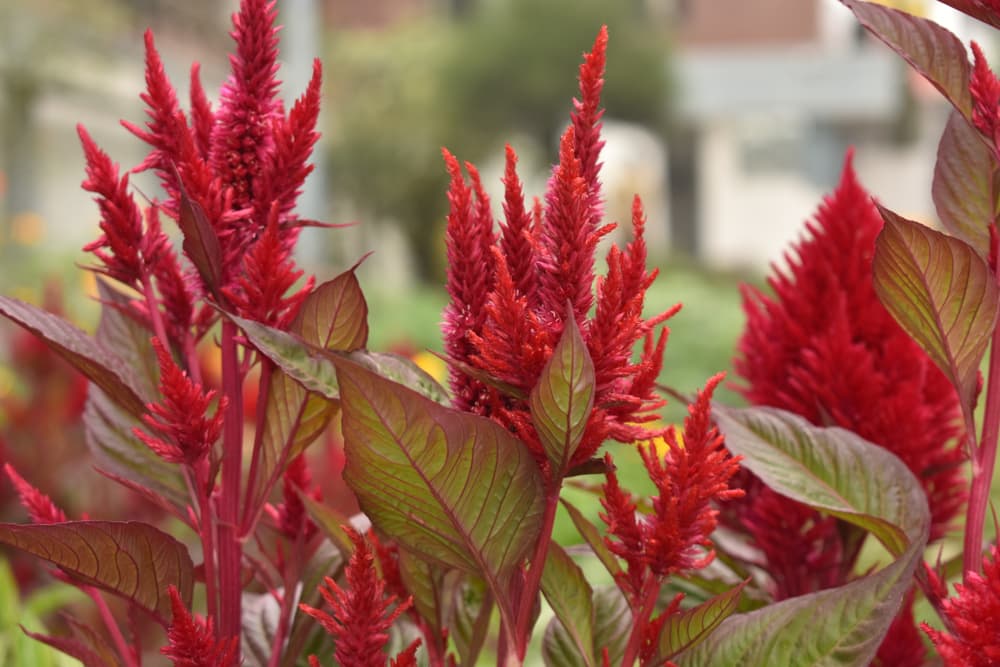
{"x":507,"y":67}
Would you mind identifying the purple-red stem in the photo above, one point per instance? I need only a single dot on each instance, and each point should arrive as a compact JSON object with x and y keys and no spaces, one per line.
{"x":250,"y":500}
{"x":651,"y":592}
{"x":109,"y":622}
{"x":230,"y":548}
{"x":293,"y":571}
{"x":533,"y":579}
{"x":206,"y":530}
{"x":153,"y":306}
{"x":983,"y":462}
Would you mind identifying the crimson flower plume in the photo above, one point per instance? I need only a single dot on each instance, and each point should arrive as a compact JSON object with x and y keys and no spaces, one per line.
{"x":183,"y":431}
{"x":40,"y":507}
{"x":191,"y":640}
{"x":361,"y":614}
{"x":972,"y":617}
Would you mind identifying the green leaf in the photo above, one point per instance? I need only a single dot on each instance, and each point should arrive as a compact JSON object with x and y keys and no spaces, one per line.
{"x":134,"y":560}
{"x":331,"y":522}
{"x":688,"y":627}
{"x":834,"y":471}
{"x":404,"y":371}
{"x":103,"y":367}
{"x":612,"y":627}
{"x":469,"y":620}
{"x":108,"y":432}
{"x":454,"y":488}
{"x":570,"y":597}
{"x":942,"y":293}
{"x":931,"y":50}
{"x":426,"y":582}
{"x":201,"y":245}
{"x":562,"y":400}
{"x":963,"y":183}
{"x":589,"y":532}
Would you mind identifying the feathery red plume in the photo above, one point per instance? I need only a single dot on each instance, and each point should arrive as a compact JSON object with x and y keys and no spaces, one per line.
{"x":40,"y":507}
{"x":191,"y":640}
{"x":985,"y":89}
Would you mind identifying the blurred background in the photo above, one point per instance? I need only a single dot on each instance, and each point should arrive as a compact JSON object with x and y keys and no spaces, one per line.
{"x":729,"y":117}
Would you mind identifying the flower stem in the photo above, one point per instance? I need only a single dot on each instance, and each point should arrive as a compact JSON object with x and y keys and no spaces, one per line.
{"x":112,"y":626}
{"x":651,"y":593}
{"x":533,"y":579}
{"x":230,"y":548}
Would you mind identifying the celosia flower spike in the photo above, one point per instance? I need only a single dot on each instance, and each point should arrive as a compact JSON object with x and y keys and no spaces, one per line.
{"x":291,"y":516}
{"x":202,"y":117}
{"x":191,"y":640}
{"x":40,"y":507}
{"x":361,"y":614}
{"x":692,"y":475}
{"x":121,"y":221}
{"x":625,"y":538}
{"x":972,"y":638}
{"x":241,"y":137}
{"x":166,"y":125}
{"x":185,"y":433}
{"x":586,"y":119}
{"x":985,"y":89}
{"x":516,"y":238}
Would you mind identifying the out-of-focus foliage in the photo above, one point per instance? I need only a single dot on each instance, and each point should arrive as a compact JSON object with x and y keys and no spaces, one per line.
{"x":506,"y":68}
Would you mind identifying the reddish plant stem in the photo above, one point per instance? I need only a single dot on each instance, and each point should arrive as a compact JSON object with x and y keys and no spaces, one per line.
{"x":252,"y":497}
{"x":292,"y":573}
{"x":230,"y":548}
{"x":206,"y":531}
{"x":533,"y":578}
{"x":155,"y":317}
{"x":640,"y":619}
{"x":191,"y":355}
{"x":124,"y":649}
{"x":983,"y":462}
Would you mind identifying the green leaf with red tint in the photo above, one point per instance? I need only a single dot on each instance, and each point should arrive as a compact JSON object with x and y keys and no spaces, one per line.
{"x":570,"y":597}
{"x":454,"y":488}
{"x":942,"y":293}
{"x":331,"y":522}
{"x":201,"y":245}
{"x":129,"y":339}
{"x":688,"y":627}
{"x":95,"y":361}
{"x":469,"y":623}
{"x":430,"y":586}
{"x":334,"y":315}
{"x":963,"y":183}
{"x":590,"y":533}
{"x":562,"y":400}
{"x":109,"y":434}
{"x":837,"y":472}
{"x":131,"y":559}
{"x":612,"y":626}
{"x":931,"y":50}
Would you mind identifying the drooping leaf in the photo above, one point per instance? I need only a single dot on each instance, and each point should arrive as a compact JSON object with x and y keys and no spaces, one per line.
{"x":454,"y":488}
{"x":589,"y":532}
{"x":562,"y":400}
{"x":131,"y":559}
{"x":834,"y":471}
{"x":612,"y":627}
{"x":117,"y":451}
{"x":942,"y":293}
{"x":963,"y":183}
{"x":404,"y":371}
{"x":201,"y":245}
{"x":688,"y":627}
{"x":570,"y":596}
{"x":931,"y":50}
{"x":129,"y":339}
{"x":101,"y":365}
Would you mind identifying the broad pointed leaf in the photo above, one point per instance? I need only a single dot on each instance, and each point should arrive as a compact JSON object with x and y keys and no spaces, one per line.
{"x":942,"y":293}
{"x":931,"y":50}
{"x":562,"y":400}
{"x":688,"y":627}
{"x":469,"y":618}
{"x":131,"y":559}
{"x":334,"y":315}
{"x":570,"y":597}
{"x":331,"y":522}
{"x":454,"y":488}
{"x":963,"y":183}
{"x":612,"y":627}
{"x":977,"y":9}
{"x":201,"y":245}
{"x":427,"y":583}
{"x":589,"y":532}
{"x":108,"y":431}
{"x":404,"y":371}
{"x":103,"y":367}
{"x":834,"y":471}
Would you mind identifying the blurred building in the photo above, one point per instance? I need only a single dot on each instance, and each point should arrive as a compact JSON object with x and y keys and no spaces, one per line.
{"x":770,"y":95}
